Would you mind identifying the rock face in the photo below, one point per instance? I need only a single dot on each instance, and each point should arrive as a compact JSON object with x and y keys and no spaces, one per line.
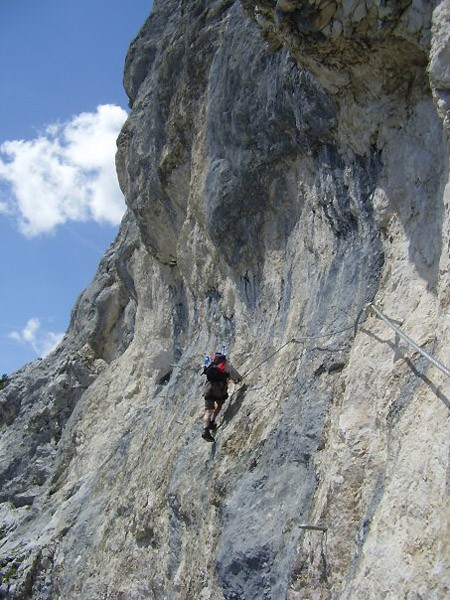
{"x":284,"y":164}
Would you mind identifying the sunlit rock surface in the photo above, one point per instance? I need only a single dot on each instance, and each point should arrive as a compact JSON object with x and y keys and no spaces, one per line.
{"x":285,"y":164}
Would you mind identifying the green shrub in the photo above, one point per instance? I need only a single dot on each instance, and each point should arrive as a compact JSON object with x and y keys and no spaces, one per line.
{"x":4,"y":381}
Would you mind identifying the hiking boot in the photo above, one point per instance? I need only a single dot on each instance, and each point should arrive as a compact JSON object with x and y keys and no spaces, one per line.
{"x":212,"y":426}
{"x":206,"y":435}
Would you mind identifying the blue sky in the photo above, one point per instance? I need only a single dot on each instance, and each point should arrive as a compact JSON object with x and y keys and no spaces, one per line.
{"x":63,"y":103}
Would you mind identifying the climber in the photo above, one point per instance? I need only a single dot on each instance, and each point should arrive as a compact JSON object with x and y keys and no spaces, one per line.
{"x":218,"y":372}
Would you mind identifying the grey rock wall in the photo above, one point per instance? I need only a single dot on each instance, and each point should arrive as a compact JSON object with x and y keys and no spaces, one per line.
{"x":284,"y":164}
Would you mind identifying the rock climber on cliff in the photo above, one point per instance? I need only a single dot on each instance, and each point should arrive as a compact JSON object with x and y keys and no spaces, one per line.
{"x":218,"y":372}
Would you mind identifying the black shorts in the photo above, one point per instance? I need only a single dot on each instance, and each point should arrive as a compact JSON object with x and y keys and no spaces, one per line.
{"x":215,"y":391}
{"x":210,"y":402}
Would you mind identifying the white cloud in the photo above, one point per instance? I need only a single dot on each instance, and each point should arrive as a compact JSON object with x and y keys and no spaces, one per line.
{"x":65,"y":174}
{"x":42,"y":342}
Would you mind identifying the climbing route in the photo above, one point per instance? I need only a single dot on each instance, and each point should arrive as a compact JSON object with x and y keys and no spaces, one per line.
{"x":408,"y":340}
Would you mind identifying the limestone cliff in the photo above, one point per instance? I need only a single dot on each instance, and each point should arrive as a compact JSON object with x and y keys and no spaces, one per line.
{"x":285,"y":163}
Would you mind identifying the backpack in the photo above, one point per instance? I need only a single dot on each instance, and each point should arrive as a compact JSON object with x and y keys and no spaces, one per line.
{"x":215,"y":371}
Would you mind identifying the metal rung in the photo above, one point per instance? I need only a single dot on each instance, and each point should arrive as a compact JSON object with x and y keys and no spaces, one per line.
{"x":409,"y":341}
{"x":314,"y":527}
